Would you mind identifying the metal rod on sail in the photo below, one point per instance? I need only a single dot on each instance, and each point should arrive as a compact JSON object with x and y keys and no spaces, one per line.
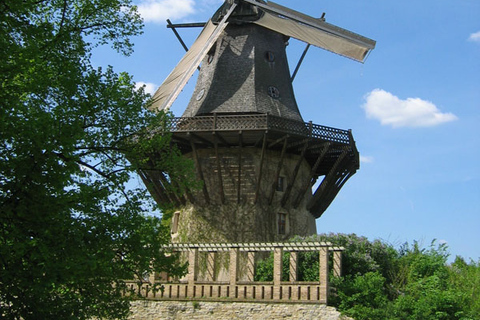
{"x":171,"y":26}
{"x":300,"y":61}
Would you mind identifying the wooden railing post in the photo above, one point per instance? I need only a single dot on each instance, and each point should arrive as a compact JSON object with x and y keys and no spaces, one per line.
{"x":211,"y":257}
{"x":323,"y":274}
{"x":192,"y":271}
{"x":277,"y":272}
{"x":293,"y":266}
{"x":337,"y":263}
{"x":251,"y":266}
{"x":233,"y":270}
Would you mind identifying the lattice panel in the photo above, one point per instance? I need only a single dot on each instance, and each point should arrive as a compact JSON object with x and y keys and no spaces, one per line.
{"x":259,"y":122}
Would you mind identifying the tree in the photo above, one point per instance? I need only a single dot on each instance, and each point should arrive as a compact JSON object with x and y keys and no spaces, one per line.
{"x":71,"y":136}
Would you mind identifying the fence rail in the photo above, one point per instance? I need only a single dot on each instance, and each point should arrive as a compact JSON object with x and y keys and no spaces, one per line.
{"x":258,"y":122}
{"x":242,"y":292}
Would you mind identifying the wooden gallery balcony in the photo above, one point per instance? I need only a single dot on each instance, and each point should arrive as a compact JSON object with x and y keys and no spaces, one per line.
{"x":330,"y":152}
{"x":204,"y":256}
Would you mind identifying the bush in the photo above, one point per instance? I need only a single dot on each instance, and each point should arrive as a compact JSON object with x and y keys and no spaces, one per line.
{"x":383,"y":282}
{"x":361,"y":296}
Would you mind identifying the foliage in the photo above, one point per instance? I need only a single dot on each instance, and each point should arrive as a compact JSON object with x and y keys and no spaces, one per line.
{"x":307,"y":267}
{"x":361,"y":255}
{"x":362,"y":297}
{"x":383,"y":282}
{"x":264,"y":269}
{"x":71,"y":137}
{"x":465,"y":277}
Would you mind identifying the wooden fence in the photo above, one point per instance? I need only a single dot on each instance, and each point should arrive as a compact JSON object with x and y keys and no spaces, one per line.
{"x":209,"y":288}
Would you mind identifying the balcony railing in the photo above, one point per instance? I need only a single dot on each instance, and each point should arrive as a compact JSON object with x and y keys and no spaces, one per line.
{"x":232,"y":289}
{"x":258,"y":122}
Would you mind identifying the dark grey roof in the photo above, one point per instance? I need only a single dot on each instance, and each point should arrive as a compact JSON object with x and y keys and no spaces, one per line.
{"x":245,"y":72}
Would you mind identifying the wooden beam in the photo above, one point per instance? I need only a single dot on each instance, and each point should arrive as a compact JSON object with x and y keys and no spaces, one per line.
{"x":199,"y":172}
{"x":219,"y":171}
{"x":218,"y":136}
{"x":157,"y":193}
{"x":171,"y":26}
{"x":297,"y":143}
{"x":257,"y":143}
{"x":326,"y":186}
{"x":308,"y":184}
{"x":286,"y":195}
{"x":180,"y":195}
{"x":251,"y":247}
{"x":260,"y":169}
{"x":346,"y":170}
{"x":164,"y":181}
{"x":159,"y":187}
{"x":187,"y":25}
{"x":335,"y":173}
{"x":277,"y":173}
{"x":300,"y":62}
{"x":278,"y":141}
{"x":196,"y":136}
{"x":239,"y":177}
{"x":178,"y":140}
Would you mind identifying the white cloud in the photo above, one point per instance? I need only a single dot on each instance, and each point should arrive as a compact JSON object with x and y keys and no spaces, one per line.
{"x":149,"y":87}
{"x":475,"y":37}
{"x":159,"y":11}
{"x":366,"y":159}
{"x":412,"y":112}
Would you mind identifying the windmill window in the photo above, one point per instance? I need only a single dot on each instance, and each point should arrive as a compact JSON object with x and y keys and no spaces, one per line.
{"x":282,"y":223}
{"x":280,"y":184}
{"x":211,"y":55}
{"x":273,"y":92}
{"x":175,"y":218}
{"x":270,"y":56}
{"x":200,"y":94}
{"x":210,"y":58}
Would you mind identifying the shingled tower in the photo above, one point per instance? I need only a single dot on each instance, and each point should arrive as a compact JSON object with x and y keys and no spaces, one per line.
{"x":257,"y":157}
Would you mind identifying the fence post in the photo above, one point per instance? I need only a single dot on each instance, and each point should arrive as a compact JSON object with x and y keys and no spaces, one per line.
{"x":192,"y":271}
{"x":277,"y":272}
{"x":211,"y":257}
{"x":293,"y":266}
{"x":337,"y":263}
{"x":233,"y":270}
{"x":251,"y":266}
{"x":323,"y":274}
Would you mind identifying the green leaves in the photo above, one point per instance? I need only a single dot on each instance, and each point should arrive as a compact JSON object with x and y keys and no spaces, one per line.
{"x":383,"y":282}
{"x":362,"y":297}
{"x":72,"y":225}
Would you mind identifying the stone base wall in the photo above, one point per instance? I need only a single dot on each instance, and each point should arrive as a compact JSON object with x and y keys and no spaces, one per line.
{"x":178,"y":310}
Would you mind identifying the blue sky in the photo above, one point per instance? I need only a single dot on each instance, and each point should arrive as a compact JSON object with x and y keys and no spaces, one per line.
{"x":414,"y":108}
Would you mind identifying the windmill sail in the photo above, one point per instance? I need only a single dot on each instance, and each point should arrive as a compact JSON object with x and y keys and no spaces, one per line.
{"x":178,"y":78}
{"x":277,"y":18}
{"x":314,"y":31}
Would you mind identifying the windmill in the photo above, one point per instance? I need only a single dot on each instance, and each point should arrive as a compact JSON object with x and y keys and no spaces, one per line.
{"x":257,"y":158}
